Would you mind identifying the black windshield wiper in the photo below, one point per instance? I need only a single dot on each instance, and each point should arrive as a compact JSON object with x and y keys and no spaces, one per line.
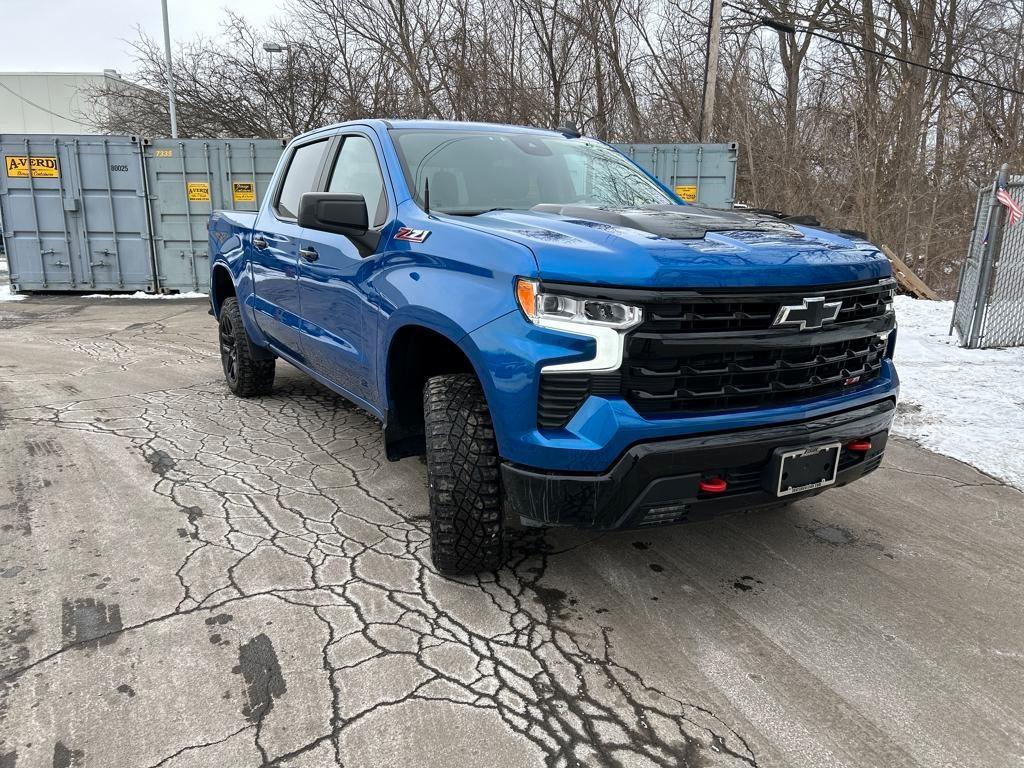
{"x":480,"y":213}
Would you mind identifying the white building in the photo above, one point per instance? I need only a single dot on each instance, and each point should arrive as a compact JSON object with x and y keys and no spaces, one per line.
{"x":51,"y":102}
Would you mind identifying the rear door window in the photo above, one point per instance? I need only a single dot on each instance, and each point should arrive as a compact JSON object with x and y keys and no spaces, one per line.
{"x":300,"y":177}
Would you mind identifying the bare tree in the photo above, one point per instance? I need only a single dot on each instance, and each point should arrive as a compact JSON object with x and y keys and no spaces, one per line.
{"x":858,"y":112}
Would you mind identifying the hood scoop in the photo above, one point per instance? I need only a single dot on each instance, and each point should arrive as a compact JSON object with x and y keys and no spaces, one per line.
{"x":674,"y":222}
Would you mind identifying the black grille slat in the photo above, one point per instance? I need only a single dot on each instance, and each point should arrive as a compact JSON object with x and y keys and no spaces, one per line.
{"x":559,"y":398}
{"x":708,"y":316}
{"x":745,"y":379}
{"x":779,"y":364}
{"x":710,"y":313}
{"x":562,"y":394}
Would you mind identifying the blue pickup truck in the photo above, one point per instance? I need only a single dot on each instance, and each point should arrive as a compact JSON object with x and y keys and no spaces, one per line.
{"x":565,"y":340}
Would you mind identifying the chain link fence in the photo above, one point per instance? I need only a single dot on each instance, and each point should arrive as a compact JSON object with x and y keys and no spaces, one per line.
{"x":989,"y":308}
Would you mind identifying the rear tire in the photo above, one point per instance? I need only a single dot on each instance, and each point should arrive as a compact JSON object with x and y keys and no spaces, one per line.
{"x":462,"y":476}
{"x":246,"y":374}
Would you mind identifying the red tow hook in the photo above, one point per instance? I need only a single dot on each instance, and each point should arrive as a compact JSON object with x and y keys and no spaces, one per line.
{"x":859,"y":446}
{"x":712,"y":485}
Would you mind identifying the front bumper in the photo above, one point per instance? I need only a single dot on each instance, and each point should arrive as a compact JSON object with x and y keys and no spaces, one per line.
{"x":655,"y":483}
{"x":509,"y":352}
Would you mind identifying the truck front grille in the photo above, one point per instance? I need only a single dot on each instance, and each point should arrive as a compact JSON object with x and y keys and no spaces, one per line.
{"x":705,"y":351}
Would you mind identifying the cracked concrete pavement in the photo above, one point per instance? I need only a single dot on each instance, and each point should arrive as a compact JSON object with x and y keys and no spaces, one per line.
{"x":189,"y":579}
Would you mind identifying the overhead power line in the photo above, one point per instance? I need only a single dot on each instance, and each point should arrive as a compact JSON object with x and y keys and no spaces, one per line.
{"x":782,"y":26}
{"x":880,"y":27}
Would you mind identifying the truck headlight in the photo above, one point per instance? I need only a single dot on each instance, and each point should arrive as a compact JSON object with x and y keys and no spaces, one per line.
{"x":604,"y":321}
{"x":540,"y":307}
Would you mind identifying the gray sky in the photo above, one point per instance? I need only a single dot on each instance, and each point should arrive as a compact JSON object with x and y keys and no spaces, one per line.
{"x":92,"y":35}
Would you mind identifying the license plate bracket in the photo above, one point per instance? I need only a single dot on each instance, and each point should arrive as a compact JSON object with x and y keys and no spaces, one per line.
{"x":795,"y":470}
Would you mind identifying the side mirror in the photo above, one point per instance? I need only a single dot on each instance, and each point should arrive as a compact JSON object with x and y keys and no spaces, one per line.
{"x":344,"y":214}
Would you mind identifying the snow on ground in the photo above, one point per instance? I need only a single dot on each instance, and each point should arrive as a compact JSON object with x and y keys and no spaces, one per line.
{"x":144,"y":295}
{"x":6,"y":295}
{"x":964,"y":403}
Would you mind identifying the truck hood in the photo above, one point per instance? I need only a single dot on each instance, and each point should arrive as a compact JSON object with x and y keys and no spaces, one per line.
{"x":676,"y":246}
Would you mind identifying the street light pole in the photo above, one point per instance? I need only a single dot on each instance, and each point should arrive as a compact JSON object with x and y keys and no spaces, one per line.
{"x":170,"y":73}
{"x":272,"y":48}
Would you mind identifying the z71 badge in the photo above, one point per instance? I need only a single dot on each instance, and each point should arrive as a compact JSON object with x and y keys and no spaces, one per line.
{"x":412,"y":235}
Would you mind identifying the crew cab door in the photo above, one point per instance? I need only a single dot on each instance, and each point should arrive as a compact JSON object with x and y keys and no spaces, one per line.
{"x":276,"y":240}
{"x":338,"y":304}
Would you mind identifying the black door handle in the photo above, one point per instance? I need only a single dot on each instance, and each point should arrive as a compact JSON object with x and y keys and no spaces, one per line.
{"x":259,"y":242}
{"x":309,"y":254}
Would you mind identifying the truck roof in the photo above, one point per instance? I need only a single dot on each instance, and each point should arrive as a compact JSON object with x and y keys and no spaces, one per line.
{"x":449,"y":125}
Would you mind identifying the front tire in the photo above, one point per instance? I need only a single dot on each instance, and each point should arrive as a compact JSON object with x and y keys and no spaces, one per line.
{"x":246,"y":374}
{"x":463,"y":476}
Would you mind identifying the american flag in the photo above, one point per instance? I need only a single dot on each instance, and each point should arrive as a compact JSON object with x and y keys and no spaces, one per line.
{"x":1013,"y":209}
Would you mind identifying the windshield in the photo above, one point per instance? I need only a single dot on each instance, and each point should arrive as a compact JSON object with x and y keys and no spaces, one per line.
{"x":471,"y":172}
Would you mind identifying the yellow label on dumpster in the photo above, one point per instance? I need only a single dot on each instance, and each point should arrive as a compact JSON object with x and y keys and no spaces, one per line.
{"x":688,"y":193}
{"x":198,"y":191}
{"x":42,"y":167}
{"x":163,"y":153}
{"x":243,"y":192}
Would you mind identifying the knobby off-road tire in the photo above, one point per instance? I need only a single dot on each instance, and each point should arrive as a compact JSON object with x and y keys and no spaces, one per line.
{"x":462,"y":476}
{"x":246,"y":375}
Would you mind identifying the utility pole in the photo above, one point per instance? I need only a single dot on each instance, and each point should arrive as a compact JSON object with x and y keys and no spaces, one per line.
{"x":170,"y":73}
{"x":707,"y":109}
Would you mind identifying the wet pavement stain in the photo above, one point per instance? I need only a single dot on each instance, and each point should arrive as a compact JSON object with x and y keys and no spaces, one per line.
{"x":833,"y":534}
{"x":15,"y":631}
{"x":20,"y":510}
{"x":126,"y":689}
{"x":88,"y":623}
{"x":41,"y":448}
{"x":838,"y":536}
{"x":554,"y":600}
{"x":258,"y":665}
{"x":746,"y":584}
{"x":63,"y":757}
{"x":9,"y":759}
{"x":692,"y":756}
{"x":160,"y":462}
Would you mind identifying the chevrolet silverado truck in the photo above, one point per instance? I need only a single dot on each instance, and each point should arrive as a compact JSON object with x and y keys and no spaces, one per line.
{"x":565,"y":340}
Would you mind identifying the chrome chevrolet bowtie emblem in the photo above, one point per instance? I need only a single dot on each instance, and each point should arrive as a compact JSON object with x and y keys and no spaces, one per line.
{"x":811,"y":313}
